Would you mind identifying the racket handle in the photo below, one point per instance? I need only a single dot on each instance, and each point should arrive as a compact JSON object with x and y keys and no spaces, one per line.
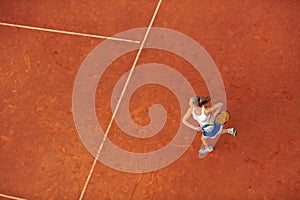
{"x":206,"y":125}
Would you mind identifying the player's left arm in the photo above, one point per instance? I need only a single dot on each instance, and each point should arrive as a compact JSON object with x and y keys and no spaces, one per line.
{"x":215,"y":109}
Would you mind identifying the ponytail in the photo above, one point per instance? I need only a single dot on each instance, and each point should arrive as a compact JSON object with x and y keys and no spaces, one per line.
{"x":200,"y":101}
{"x":204,"y":100}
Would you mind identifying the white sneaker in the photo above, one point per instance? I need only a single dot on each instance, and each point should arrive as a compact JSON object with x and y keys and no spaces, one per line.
{"x":232,"y":131}
{"x":210,"y":148}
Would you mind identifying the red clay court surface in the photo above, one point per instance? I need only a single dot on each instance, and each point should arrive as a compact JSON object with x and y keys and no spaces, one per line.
{"x":255,"y":45}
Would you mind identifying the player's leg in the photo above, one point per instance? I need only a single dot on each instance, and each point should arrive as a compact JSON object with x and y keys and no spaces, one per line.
{"x":207,"y":145}
{"x":230,"y":131}
{"x":204,"y":141}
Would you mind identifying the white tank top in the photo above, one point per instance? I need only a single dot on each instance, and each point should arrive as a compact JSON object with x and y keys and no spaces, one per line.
{"x":202,"y":119}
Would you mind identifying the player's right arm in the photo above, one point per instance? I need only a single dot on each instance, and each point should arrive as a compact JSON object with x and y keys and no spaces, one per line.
{"x":186,"y":117}
{"x":215,"y":109}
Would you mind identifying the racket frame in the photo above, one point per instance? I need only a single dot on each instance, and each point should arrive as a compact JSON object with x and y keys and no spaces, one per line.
{"x":214,"y":122}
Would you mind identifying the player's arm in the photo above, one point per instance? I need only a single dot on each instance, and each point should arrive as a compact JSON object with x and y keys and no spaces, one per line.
{"x":186,"y":117}
{"x":215,"y":109}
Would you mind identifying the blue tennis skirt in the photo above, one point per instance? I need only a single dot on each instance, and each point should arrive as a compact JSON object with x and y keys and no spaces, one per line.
{"x":214,"y":132}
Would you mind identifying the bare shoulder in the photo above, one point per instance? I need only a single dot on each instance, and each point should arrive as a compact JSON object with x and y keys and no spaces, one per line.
{"x":207,"y":109}
{"x":190,"y":110}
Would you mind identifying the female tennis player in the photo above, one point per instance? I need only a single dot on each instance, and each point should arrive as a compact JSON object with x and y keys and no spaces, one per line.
{"x":202,"y":115}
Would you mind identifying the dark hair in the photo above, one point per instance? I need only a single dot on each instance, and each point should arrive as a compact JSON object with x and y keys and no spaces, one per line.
{"x":200,"y":101}
{"x":204,"y":100}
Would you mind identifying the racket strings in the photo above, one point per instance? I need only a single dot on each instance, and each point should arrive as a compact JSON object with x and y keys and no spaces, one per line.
{"x":222,"y":117}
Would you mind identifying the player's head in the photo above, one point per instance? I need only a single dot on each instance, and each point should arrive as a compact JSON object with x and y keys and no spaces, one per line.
{"x":195,"y":101}
{"x":199,"y":101}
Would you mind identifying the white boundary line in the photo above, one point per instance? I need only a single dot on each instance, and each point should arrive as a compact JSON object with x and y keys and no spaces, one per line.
{"x":119,"y":101}
{"x":11,"y":197}
{"x":68,"y":32}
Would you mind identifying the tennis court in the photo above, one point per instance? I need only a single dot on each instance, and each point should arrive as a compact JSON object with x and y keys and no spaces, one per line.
{"x":43,"y":46}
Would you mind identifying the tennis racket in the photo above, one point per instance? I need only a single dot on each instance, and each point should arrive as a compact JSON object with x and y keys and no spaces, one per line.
{"x":221,"y":118}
